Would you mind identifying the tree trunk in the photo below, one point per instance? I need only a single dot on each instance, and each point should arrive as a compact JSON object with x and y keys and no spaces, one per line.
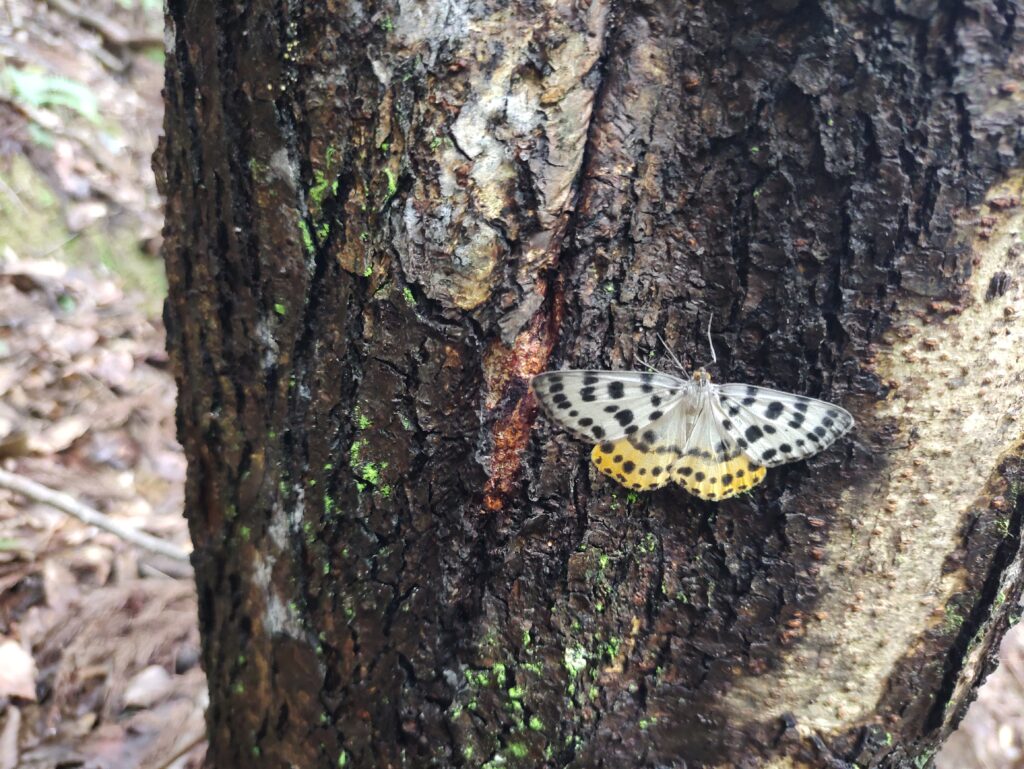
{"x":385,"y":217}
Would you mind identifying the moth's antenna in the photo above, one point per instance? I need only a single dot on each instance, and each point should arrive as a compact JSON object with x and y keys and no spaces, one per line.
{"x":639,"y":360}
{"x":646,"y":365}
{"x":714,"y":358}
{"x":672,"y":355}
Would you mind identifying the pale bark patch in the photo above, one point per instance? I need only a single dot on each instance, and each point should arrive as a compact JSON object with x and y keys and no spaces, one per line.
{"x":519,"y":135}
{"x":957,"y":399}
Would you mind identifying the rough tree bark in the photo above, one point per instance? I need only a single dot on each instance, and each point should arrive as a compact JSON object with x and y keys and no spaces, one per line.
{"x":385,"y":217}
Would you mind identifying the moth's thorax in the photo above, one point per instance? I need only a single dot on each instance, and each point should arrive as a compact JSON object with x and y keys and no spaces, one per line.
{"x":702,"y":379}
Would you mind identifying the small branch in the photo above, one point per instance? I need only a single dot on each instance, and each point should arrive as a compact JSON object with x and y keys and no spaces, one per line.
{"x":68,"y":504}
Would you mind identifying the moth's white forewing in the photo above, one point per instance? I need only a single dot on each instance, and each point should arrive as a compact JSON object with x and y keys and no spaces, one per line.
{"x":609,"y":405}
{"x":774,"y":427}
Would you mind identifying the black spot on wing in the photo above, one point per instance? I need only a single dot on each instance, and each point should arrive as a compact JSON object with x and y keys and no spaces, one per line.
{"x":616,"y":390}
{"x":774,"y":409}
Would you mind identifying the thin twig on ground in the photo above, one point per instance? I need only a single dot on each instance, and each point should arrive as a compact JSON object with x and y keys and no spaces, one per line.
{"x":68,"y":504}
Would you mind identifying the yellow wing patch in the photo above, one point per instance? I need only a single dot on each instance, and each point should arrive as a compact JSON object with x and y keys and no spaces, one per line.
{"x":700,"y":474}
{"x":716,"y":479}
{"x":632,"y":467}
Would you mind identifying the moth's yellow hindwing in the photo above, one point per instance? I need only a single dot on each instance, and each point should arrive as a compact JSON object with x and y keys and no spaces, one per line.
{"x":713,"y":479}
{"x":633,"y":467}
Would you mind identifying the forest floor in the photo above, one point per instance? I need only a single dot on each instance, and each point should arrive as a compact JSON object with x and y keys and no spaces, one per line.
{"x":99,"y":649}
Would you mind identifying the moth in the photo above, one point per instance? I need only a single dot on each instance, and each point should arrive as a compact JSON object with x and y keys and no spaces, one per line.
{"x":714,"y":440}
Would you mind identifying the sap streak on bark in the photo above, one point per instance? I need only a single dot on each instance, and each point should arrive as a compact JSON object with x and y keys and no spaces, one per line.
{"x":506,"y":175}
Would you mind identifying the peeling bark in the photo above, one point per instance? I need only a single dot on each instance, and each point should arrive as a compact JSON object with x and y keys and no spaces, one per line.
{"x":384,"y":218}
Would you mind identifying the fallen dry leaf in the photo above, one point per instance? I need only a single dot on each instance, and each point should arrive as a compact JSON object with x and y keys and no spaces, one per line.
{"x":147,"y":687}
{"x":9,"y":738}
{"x":17,"y":671}
{"x":82,"y":215}
{"x":60,"y":435}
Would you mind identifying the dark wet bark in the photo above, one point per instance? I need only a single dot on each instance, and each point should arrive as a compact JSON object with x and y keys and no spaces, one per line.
{"x":384,"y":218}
